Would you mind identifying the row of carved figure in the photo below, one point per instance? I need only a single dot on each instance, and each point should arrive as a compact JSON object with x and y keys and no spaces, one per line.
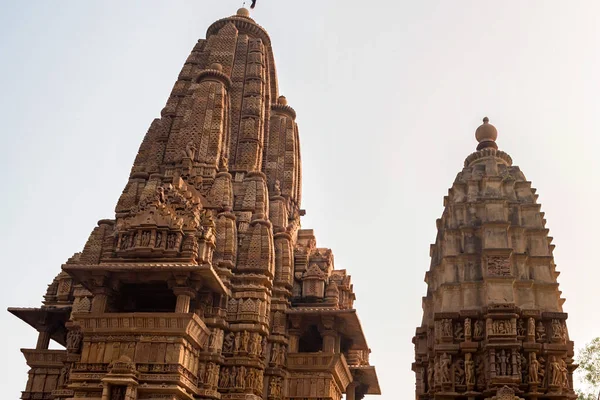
{"x":149,"y":239}
{"x":472,"y":373}
{"x":241,"y":378}
{"x":250,"y":343}
{"x":466,"y":330}
{"x":244,"y":342}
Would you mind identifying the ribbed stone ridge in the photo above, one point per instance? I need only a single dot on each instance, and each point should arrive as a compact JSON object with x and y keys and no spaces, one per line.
{"x":492,"y":316}
{"x":204,"y":285}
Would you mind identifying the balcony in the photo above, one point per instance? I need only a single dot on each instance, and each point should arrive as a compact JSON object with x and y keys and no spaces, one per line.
{"x":187,"y":325}
{"x":331,"y":368}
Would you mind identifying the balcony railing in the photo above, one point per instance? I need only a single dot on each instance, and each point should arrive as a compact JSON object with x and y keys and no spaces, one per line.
{"x":188,"y":325}
{"x":334,"y":363}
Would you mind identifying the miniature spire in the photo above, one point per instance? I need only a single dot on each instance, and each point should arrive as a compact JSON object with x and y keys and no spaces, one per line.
{"x":486,"y":135}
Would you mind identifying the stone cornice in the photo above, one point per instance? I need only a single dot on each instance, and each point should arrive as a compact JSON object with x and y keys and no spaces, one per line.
{"x":284,"y":109}
{"x":213,"y":74}
{"x":244,"y":25}
{"x":485,"y":153}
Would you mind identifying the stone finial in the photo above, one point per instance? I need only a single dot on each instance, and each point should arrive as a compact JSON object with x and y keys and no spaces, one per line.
{"x":243,"y":12}
{"x":486,"y":135}
{"x":216,"y":67}
{"x":281,"y":100}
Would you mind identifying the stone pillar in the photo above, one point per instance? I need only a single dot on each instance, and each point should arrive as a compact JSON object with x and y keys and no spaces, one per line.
{"x":184,"y":296}
{"x":492,"y":358}
{"x":99,"y":302}
{"x":43,"y":340}
{"x":351,"y":391}
{"x":105,"y":393}
{"x":329,"y":341}
{"x":294,"y":340}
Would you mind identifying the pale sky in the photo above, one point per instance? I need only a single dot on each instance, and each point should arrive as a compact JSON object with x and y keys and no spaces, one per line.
{"x":388,"y":96}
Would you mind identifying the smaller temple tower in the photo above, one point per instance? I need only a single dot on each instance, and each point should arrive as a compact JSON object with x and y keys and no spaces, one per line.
{"x":493,"y":325}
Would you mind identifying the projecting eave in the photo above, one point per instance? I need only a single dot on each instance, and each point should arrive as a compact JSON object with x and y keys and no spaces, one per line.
{"x":42,"y":319}
{"x":351,"y":328}
{"x":367,"y":376}
{"x":204,"y":273}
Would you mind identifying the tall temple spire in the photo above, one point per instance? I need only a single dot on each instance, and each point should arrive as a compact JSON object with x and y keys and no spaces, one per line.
{"x":493,"y":322}
{"x":204,"y":285}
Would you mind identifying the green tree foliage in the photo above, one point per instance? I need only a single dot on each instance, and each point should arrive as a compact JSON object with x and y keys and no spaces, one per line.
{"x":583,"y":396}
{"x":589,"y":368}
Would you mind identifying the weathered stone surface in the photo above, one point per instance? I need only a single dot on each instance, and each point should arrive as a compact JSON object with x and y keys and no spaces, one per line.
{"x":493,"y":325}
{"x":204,"y":286}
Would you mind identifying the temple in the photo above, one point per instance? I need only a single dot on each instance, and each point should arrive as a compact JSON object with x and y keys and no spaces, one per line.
{"x":493,"y":325}
{"x":204,"y":285}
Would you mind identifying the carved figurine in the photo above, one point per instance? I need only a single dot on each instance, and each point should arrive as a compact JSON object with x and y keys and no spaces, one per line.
{"x":459,"y":372}
{"x":259,"y":382}
{"x":224,"y":378}
{"x":134,"y":240}
{"x":520,"y":328}
{"x":531,"y":327}
{"x":555,"y":371}
{"x":502,"y":328}
{"x":564,"y":374}
{"x":480,"y":372}
{"x":145,"y":238}
{"x":430,"y":378}
{"x":469,"y":370}
{"x":232,"y":377}
{"x":447,"y":327}
{"x":159,"y":195}
{"x":241,"y":377}
{"x":522,"y":363}
{"x":468,"y":328}
{"x":534,"y":369}
{"x":274,"y":351}
{"x":254,"y":343}
{"x":278,"y":354}
{"x":542,"y":372}
{"x":159,"y":237}
{"x":171,"y":238}
{"x":212,"y":339}
{"x":458,"y":331}
{"x":501,"y":363}
{"x":190,"y":150}
{"x":556,"y":329}
{"x":223,"y":163}
{"x":478,"y":331}
{"x":64,"y":376}
{"x":540,"y":332}
{"x":277,"y":188}
{"x":251,"y":378}
{"x":275,"y":387}
{"x":263,"y":347}
{"x":245,"y":341}
{"x":445,"y":362}
{"x":212,"y":374}
{"x":228,"y":343}
{"x":125,"y":241}
{"x":237,"y":343}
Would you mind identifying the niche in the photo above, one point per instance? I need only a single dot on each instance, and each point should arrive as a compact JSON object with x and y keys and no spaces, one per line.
{"x":149,"y":297}
{"x":311,"y":341}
